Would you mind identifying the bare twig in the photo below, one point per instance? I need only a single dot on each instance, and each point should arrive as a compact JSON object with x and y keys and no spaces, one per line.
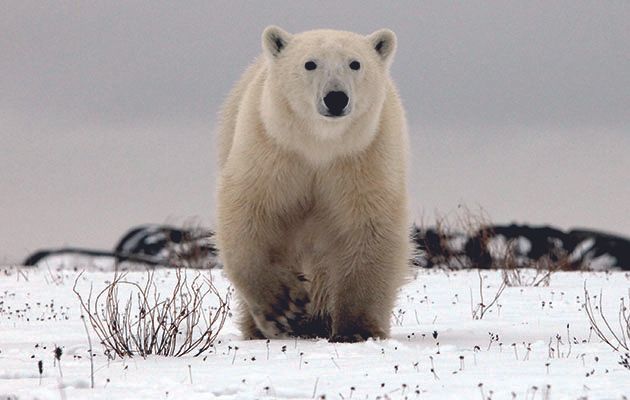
{"x":87,"y":332}
{"x":482,"y":308}
{"x":601,"y":326}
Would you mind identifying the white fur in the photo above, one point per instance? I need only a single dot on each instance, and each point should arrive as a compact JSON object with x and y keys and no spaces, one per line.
{"x":304,"y":193}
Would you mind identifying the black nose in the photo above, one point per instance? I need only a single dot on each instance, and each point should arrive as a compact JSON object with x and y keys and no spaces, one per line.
{"x":336,"y":102}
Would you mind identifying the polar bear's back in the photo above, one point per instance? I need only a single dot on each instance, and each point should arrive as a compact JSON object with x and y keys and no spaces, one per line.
{"x":231,"y":107}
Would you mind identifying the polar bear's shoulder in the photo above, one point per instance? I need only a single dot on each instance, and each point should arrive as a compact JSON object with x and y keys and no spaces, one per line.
{"x":231,"y":106}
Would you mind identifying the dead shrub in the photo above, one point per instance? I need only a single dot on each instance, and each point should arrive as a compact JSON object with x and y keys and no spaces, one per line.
{"x":518,"y":272}
{"x":196,"y":249}
{"x":522,"y":271}
{"x":445,"y":244}
{"x":133,"y":319}
{"x":467,"y":239}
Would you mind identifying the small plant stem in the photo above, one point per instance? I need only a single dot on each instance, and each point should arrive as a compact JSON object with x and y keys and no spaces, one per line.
{"x":87,"y":332}
{"x":315,"y":387}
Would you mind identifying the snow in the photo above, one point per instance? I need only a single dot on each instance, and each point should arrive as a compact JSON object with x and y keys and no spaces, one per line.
{"x":432,"y":329}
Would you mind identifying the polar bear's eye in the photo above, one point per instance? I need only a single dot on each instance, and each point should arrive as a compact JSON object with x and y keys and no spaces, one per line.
{"x":355,"y":65}
{"x":310,"y":65}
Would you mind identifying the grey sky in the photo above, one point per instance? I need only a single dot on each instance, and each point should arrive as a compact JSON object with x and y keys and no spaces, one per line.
{"x":107,"y":110}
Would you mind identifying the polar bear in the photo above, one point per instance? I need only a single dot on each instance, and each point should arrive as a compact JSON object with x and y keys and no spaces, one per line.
{"x":312,"y":190}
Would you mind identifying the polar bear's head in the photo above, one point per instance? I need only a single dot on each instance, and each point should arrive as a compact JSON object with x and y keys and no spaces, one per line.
{"x":326,"y":79}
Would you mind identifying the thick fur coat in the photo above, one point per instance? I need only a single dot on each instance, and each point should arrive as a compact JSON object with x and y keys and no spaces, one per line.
{"x":312,"y":192}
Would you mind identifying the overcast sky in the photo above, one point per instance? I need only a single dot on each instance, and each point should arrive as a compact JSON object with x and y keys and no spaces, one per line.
{"x":107,"y":109}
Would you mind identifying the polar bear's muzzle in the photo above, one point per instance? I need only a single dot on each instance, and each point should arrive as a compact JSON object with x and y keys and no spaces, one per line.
{"x":335,"y":104}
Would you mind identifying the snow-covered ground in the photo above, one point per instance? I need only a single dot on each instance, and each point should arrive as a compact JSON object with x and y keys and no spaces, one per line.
{"x":433,"y":331}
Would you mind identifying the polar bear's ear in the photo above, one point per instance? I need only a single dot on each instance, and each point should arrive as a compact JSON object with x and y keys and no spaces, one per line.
{"x":383,"y":42}
{"x":274,"y":40}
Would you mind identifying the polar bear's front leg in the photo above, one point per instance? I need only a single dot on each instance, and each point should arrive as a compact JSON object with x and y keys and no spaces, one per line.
{"x":369,"y":270}
{"x":250,"y":243}
{"x":273,"y":294}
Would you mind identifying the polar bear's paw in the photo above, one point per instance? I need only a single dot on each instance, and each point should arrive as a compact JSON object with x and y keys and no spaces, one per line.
{"x":356,"y":330}
{"x":285,"y":314}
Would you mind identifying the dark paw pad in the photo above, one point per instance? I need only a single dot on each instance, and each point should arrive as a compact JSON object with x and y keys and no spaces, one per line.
{"x":353,"y":338}
{"x":355,"y":332}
